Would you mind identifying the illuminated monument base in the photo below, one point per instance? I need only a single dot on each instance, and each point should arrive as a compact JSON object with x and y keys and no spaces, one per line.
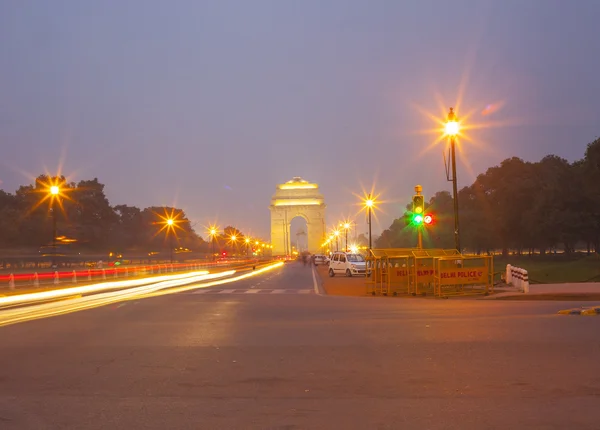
{"x":297,"y":198}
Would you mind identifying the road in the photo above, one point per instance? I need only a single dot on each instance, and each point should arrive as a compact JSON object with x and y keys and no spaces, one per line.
{"x":286,"y":358}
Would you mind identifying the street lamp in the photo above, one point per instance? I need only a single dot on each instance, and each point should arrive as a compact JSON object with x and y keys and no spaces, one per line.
{"x":369,"y":203}
{"x":212,"y":233}
{"x":170,"y":229}
{"x":452,"y":128}
{"x":54,"y":192}
{"x":346,"y":228}
{"x":337,"y":242}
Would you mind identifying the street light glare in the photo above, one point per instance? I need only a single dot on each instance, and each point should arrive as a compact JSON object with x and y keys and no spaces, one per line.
{"x":346,"y":226}
{"x":369,"y":203}
{"x":170,"y":221}
{"x":452,"y":128}
{"x":54,"y":190}
{"x":233,"y":237}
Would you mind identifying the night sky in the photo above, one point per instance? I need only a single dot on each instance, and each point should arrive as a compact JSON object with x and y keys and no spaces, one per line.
{"x":207,"y":105}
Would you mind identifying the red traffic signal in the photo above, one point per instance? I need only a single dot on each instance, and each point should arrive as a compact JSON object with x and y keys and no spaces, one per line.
{"x":428,"y":219}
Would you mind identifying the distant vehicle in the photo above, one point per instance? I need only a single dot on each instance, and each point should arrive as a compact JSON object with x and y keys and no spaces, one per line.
{"x":320,"y":260}
{"x":347,"y":263}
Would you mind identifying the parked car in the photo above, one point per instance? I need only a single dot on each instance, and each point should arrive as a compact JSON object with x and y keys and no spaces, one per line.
{"x":347,"y":263}
{"x":320,"y":260}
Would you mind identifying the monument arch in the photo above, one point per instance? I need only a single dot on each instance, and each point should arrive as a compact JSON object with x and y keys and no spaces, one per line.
{"x":297,"y":198}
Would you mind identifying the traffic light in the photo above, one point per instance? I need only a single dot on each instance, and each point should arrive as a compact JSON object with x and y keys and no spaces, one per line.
{"x":417,"y":219}
{"x":418,"y":205}
{"x":418,"y":209}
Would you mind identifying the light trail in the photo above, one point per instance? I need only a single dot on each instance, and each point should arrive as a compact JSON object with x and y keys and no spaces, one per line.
{"x":168,"y":286}
{"x":216,"y":283}
{"x":94,"y":288}
{"x":44,"y":310}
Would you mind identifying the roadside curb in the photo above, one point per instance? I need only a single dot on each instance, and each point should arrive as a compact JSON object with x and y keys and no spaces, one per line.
{"x":317,"y":283}
{"x":594,"y":310}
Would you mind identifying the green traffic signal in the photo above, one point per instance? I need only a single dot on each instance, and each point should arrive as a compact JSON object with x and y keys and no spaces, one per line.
{"x":418,"y":219}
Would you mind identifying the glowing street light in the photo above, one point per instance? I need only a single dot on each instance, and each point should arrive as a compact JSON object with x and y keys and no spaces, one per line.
{"x":170,"y":229}
{"x":346,"y":228}
{"x":369,"y":204}
{"x":212,"y":233}
{"x":54,"y":193}
{"x":452,"y":129}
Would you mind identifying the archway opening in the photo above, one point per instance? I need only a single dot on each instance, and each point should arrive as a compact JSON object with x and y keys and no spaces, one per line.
{"x":298,"y":235}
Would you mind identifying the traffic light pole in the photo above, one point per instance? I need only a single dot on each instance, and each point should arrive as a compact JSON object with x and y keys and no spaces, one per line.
{"x":455,"y":193}
{"x":418,"y":190}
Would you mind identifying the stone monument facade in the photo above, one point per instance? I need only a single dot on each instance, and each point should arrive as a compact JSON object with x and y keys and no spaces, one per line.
{"x":292,"y":199}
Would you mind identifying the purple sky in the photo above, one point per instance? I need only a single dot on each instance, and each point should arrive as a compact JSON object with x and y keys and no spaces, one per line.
{"x":209,"y":104}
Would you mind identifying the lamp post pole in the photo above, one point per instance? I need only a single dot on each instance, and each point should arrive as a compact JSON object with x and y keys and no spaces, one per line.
{"x":455,"y":194}
{"x":452,"y":128}
{"x":370,"y":209}
{"x":54,"y":233}
{"x":346,"y":249}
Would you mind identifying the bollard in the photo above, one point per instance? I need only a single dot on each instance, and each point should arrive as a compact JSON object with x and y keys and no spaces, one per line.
{"x":36,"y":280}
{"x":11,"y":281}
{"x":104,"y":274}
{"x":89,"y":275}
{"x":56,"y":278}
{"x":74,"y":277}
{"x":508,"y":273}
{"x":525,"y":282}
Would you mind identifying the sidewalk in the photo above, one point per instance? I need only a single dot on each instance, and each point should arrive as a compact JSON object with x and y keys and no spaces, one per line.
{"x":569,"y":291}
{"x":589,"y":291}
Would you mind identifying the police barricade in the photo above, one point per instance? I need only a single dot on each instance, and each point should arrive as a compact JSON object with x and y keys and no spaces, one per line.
{"x":423,"y":268}
{"x":462,"y":275}
{"x":387,"y":271}
{"x":402,"y":270}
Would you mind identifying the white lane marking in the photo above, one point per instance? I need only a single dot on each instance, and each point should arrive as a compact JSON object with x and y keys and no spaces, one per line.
{"x":265,"y":291}
{"x":315,"y":285}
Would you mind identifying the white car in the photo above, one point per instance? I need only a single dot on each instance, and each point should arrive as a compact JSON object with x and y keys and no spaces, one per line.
{"x":320,"y":260}
{"x":347,"y":263}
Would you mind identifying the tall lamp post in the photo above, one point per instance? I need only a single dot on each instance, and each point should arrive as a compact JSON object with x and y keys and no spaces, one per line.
{"x":369,"y":203}
{"x":346,"y":228}
{"x":337,"y":240}
{"x":452,"y":129}
{"x":247,"y":240}
{"x":212,"y":233}
{"x":170,"y":233}
{"x":54,"y":192}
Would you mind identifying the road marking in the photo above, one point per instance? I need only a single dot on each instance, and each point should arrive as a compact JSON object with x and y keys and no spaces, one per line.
{"x":315,"y":284}
{"x":263,"y":291}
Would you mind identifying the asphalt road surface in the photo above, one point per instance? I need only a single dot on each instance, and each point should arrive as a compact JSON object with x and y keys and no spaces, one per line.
{"x":236,"y":359}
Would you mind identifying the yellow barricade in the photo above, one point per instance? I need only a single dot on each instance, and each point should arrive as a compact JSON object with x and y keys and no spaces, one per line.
{"x":461,"y":275}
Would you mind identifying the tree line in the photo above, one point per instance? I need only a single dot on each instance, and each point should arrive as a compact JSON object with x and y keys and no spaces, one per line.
{"x":518,"y":206}
{"x":87,"y":222}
